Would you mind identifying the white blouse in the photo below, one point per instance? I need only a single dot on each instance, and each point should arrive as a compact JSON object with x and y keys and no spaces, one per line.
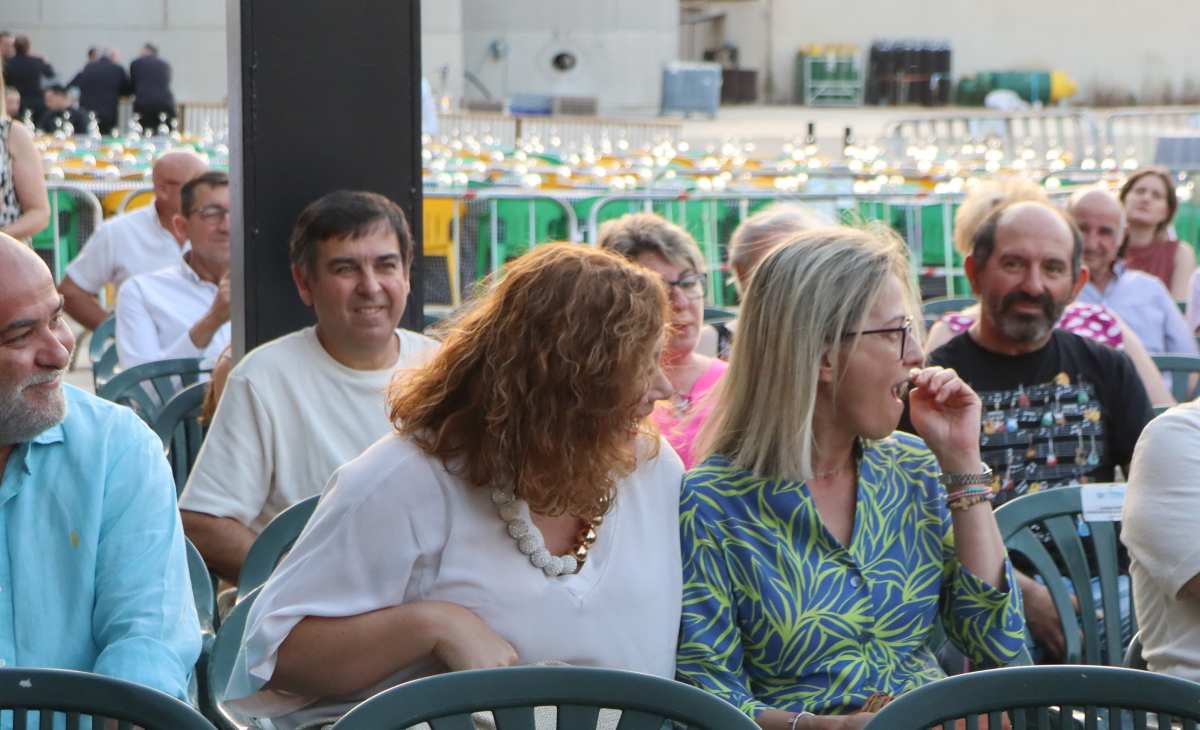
{"x":394,"y":526}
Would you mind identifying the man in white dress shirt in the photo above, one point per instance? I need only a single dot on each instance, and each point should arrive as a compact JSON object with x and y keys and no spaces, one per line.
{"x":297,"y":408}
{"x":134,"y":243}
{"x":183,"y":309}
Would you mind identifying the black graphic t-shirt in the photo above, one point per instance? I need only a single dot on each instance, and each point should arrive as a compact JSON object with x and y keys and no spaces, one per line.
{"x":1068,"y":413}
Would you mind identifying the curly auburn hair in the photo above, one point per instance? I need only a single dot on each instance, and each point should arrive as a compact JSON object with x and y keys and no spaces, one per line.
{"x":538,"y":381}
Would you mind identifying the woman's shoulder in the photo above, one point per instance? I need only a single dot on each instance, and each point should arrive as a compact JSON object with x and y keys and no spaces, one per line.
{"x":393,"y":470}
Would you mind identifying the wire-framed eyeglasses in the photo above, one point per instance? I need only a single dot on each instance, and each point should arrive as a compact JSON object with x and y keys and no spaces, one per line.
{"x":904,"y":330}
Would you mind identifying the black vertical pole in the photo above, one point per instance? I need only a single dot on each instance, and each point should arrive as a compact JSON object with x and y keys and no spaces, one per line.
{"x":322,"y":96}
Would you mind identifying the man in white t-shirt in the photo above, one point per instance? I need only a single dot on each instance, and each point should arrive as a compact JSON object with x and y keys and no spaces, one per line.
{"x":297,"y":408}
{"x":1159,"y":522}
{"x":183,"y":309}
{"x":134,"y":243}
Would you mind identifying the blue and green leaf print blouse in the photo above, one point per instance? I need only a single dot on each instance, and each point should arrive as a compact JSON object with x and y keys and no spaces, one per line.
{"x":777,"y":614}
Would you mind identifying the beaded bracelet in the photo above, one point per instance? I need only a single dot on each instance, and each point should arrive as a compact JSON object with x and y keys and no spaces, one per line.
{"x":973,"y":491}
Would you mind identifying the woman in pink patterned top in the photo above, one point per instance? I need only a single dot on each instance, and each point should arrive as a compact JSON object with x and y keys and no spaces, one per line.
{"x":1086,"y":320}
{"x":668,"y":250}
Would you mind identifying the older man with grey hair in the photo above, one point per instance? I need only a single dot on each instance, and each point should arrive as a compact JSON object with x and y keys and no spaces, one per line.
{"x":1139,"y":299}
{"x":92,"y":560}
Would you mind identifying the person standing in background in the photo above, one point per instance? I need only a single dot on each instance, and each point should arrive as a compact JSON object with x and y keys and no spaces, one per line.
{"x":25,"y":72}
{"x":101,"y":83}
{"x":150,"y":77}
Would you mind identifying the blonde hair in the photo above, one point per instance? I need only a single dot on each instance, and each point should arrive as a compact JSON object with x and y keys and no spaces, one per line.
{"x":754,"y":237}
{"x":987,"y":196}
{"x":636,"y":233}
{"x":802,"y":300}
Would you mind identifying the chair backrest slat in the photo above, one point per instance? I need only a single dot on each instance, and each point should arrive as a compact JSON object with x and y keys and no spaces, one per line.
{"x":1104,"y":538}
{"x":455,"y":722}
{"x":1065,"y":532}
{"x":634,"y":720}
{"x":514,"y":718}
{"x":1028,"y":544}
{"x":580,"y":716}
{"x":178,"y":425}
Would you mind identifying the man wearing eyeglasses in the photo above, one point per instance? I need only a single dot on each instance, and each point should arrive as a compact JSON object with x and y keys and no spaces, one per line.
{"x":136,"y":242}
{"x":183,"y":310}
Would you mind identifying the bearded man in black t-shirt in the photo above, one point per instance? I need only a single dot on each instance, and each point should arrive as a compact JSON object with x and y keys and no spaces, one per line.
{"x":1058,"y":408}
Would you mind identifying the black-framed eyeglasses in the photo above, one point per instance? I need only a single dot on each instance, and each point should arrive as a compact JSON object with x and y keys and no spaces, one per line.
{"x":905,"y":331}
{"x":212,"y":213}
{"x":691,"y":285}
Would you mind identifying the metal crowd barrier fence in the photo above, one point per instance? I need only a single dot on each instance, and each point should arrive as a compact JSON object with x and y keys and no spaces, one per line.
{"x":1136,"y":132}
{"x":470,"y":234}
{"x":1072,"y":131}
{"x":199,"y":117}
{"x":572,"y":131}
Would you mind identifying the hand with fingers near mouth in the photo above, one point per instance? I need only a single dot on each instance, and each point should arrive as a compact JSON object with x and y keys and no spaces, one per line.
{"x":946,"y":413}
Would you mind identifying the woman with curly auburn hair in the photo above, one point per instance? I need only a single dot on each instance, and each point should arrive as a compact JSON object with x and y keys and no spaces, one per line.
{"x":522,"y":511}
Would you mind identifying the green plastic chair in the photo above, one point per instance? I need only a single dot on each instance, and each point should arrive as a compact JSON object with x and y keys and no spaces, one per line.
{"x":178,"y":425}
{"x":718,"y":314}
{"x":146,"y":388}
{"x":102,"y":351}
{"x":269,"y":547}
{"x":203,"y":594}
{"x":446,"y":701}
{"x":1182,"y":367}
{"x":1055,"y":512}
{"x":1133,"y":653}
{"x":1060,"y":697}
{"x":75,"y":696}
{"x":221,"y":659}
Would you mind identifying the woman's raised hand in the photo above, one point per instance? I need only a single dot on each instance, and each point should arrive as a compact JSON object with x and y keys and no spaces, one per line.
{"x":946,"y":413}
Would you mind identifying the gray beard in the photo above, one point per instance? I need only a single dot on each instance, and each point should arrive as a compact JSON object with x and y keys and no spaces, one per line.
{"x":19,"y":425}
{"x":1024,"y":329}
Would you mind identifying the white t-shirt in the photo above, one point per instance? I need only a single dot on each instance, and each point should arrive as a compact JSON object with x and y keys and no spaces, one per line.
{"x":156,"y":311}
{"x":1159,"y":524}
{"x":394,"y":527}
{"x":289,"y":416}
{"x":130,"y":244}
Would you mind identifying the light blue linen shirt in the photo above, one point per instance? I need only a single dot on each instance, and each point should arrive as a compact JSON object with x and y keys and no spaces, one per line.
{"x":93,"y":574}
{"x":1143,"y":303}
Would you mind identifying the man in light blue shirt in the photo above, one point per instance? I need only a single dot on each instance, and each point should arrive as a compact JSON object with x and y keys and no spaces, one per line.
{"x":93,"y":575}
{"x":1139,"y":299}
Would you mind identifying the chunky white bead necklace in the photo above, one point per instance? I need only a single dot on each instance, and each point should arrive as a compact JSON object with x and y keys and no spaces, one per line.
{"x":530,"y":542}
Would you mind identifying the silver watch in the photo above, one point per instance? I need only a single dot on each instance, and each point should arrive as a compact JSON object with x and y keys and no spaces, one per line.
{"x":950,"y":481}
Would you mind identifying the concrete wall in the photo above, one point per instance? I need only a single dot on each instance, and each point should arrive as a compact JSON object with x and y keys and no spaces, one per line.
{"x":191,"y":35}
{"x":1106,"y":46}
{"x":620,"y":46}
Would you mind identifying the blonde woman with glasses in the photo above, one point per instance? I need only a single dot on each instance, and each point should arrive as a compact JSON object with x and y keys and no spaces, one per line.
{"x":821,"y":548}
{"x":670,"y":252}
